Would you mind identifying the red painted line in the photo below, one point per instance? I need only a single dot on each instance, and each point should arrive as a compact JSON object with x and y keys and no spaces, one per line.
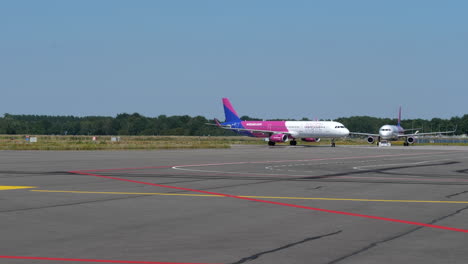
{"x":282,"y":204}
{"x":95,"y":260}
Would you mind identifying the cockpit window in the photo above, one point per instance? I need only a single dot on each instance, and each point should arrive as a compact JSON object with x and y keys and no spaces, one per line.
{"x":339,"y":127}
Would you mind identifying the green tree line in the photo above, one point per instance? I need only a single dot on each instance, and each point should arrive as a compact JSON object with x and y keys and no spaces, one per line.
{"x":136,"y":124}
{"x":122,"y":124}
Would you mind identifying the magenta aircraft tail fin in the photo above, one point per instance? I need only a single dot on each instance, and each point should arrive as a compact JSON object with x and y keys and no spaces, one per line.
{"x":229,"y":112}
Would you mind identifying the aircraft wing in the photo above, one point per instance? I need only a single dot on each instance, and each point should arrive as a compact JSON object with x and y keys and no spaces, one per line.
{"x":412,"y":129}
{"x":217,"y":123}
{"x":364,"y":134}
{"x":426,"y":134}
{"x":257,"y":130}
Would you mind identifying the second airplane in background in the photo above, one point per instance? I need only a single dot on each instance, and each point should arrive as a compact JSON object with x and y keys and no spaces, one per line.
{"x":394,"y":133}
{"x":282,"y":131}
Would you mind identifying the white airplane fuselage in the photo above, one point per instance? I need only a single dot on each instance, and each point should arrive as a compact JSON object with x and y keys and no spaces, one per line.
{"x":390,"y":132}
{"x":298,"y":129}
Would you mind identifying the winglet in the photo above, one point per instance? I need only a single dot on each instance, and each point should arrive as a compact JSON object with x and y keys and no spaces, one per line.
{"x":455,"y":129}
{"x":217,"y":123}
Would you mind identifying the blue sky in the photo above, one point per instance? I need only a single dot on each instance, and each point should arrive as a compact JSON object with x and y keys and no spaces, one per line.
{"x":273,"y":59}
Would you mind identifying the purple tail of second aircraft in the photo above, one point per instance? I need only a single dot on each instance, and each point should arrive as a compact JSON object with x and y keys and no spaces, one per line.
{"x":399,"y":117}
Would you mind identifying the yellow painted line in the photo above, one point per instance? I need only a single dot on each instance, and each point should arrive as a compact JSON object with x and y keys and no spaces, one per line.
{"x":3,"y":187}
{"x":175,"y":194}
{"x":358,"y":200}
{"x":263,"y":197}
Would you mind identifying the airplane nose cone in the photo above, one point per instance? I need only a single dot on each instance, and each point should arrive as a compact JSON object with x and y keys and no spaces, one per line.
{"x":386,"y":134}
{"x":345,"y":132}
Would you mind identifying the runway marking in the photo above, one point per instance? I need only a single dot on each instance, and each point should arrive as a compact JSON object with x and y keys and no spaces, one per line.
{"x":95,"y":260}
{"x":398,"y":164}
{"x":282,"y":204}
{"x":344,"y":162}
{"x":187,"y":167}
{"x":3,"y":187}
{"x":415,"y":178}
{"x":181,"y":167}
{"x":262,"y":197}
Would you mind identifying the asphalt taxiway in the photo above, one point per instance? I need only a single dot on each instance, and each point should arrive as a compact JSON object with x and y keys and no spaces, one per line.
{"x":248,"y":204}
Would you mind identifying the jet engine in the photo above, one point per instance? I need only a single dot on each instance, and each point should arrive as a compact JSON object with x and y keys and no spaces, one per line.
{"x":370,"y":140}
{"x":311,"y":139}
{"x":410,"y":140}
{"x":279,"y":138}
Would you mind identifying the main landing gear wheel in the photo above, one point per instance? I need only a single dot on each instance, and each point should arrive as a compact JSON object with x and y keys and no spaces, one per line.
{"x":271,"y":143}
{"x":293,"y":142}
